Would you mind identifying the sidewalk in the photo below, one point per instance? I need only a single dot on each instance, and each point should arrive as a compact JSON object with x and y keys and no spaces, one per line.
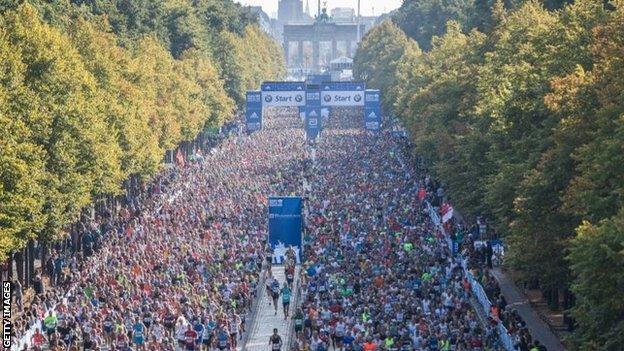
{"x":538,"y":328}
{"x":265,"y":319}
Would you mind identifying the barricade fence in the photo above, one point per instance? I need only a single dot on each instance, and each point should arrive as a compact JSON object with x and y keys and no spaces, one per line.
{"x":477,"y":289}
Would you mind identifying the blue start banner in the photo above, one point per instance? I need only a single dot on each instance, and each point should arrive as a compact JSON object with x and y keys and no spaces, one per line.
{"x":342,"y":94}
{"x":283,"y":94}
{"x":313,"y":98}
{"x":313,"y":112}
{"x":313,"y":122}
{"x":253,"y":113}
{"x":372,"y":110}
{"x":285,"y":226}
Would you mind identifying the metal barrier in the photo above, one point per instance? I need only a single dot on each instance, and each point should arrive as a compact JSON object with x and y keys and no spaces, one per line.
{"x":477,"y":289}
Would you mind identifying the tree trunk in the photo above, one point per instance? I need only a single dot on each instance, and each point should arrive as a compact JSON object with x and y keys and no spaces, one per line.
{"x":44,"y":256}
{"x":10,"y":272}
{"x":31,"y":260}
{"x":19,"y":263}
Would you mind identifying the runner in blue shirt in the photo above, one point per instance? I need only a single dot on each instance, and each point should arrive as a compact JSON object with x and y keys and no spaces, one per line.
{"x":137,"y":334}
{"x":222,"y":339}
{"x":199,"y":328}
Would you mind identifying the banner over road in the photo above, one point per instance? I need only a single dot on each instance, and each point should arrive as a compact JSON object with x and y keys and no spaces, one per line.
{"x":285,"y":226}
{"x":283,"y":94}
{"x":253,"y":113}
{"x":342,"y":94}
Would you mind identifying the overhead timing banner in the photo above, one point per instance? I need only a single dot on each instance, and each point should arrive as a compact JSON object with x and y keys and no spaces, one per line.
{"x":313,"y":112}
{"x":372,"y":110}
{"x":253,"y":113}
{"x":283,"y":94}
{"x":342,"y":94}
{"x":285,"y":226}
{"x":313,"y":122}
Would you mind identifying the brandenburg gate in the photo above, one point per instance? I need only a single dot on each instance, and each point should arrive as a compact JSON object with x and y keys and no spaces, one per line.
{"x":320,"y":31}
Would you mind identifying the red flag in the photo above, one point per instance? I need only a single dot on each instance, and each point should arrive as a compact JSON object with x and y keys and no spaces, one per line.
{"x":421,"y":194}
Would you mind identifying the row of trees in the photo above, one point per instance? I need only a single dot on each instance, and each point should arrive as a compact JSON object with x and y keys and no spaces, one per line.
{"x":524,"y":123}
{"x":95,"y":92}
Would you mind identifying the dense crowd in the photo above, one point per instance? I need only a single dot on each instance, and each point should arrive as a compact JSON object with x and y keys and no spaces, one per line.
{"x":180,"y":266}
{"x":177,"y":270}
{"x":378,"y":274}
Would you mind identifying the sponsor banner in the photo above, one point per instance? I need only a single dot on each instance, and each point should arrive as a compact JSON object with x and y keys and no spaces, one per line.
{"x":253,"y":119}
{"x":342,"y":98}
{"x":283,"y":98}
{"x":342,"y":94}
{"x":313,"y":122}
{"x":372,"y":119}
{"x":285,"y":226}
{"x":254,"y":99}
{"x":313,"y":98}
{"x":253,"y":113}
{"x":373,"y":98}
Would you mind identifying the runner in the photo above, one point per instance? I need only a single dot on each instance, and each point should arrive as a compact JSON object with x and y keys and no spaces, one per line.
{"x":223,"y":339}
{"x":138,"y":336}
{"x":190,"y":338}
{"x":275,"y":293}
{"x":275,"y":341}
{"x":285,"y":299}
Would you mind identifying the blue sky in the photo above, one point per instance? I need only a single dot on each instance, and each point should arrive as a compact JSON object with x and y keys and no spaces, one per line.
{"x":270,"y":6}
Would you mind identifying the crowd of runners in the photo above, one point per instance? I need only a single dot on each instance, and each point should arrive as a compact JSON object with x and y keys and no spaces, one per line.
{"x":179,"y":269}
{"x":378,"y":275}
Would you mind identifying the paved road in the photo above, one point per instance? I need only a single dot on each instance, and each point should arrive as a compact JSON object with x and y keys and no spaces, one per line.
{"x":538,"y":328}
{"x":266,"y":319}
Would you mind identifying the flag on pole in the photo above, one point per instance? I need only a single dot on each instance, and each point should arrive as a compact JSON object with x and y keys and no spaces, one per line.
{"x":447,"y":212}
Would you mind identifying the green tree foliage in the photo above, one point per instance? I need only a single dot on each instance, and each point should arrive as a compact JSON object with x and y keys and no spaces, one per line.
{"x":81,"y":156}
{"x":378,"y":56}
{"x":94,"y":91}
{"x":597,"y":258}
{"x":524,"y":125}
{"x":424,"y":19}
{"x":22,"y":171}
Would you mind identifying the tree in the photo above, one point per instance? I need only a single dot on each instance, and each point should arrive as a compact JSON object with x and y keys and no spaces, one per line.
{"x":125,"y":110}
{"x":421,"y":20}
{"x":596,"y":258}
{"x":81,"y":155}
{"x":378,"y":55}
{"x":22,"y":172}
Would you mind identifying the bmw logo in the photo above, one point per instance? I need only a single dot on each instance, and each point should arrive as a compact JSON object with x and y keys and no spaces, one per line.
{"x":298,"y":98}
{"x":357,"y":98}
{"x":327,"y":98}
{"x":268,"y":98}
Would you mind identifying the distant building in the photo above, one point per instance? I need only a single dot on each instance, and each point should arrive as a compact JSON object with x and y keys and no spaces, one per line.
{"x":343,"y":15}
{"x":265,"y":22}
{"x":319,"y":40}
{"x":291,"y":12}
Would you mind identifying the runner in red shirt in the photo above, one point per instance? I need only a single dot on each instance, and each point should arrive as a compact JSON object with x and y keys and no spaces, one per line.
{"x":190,"y":338}
{"x":38,"y":339}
